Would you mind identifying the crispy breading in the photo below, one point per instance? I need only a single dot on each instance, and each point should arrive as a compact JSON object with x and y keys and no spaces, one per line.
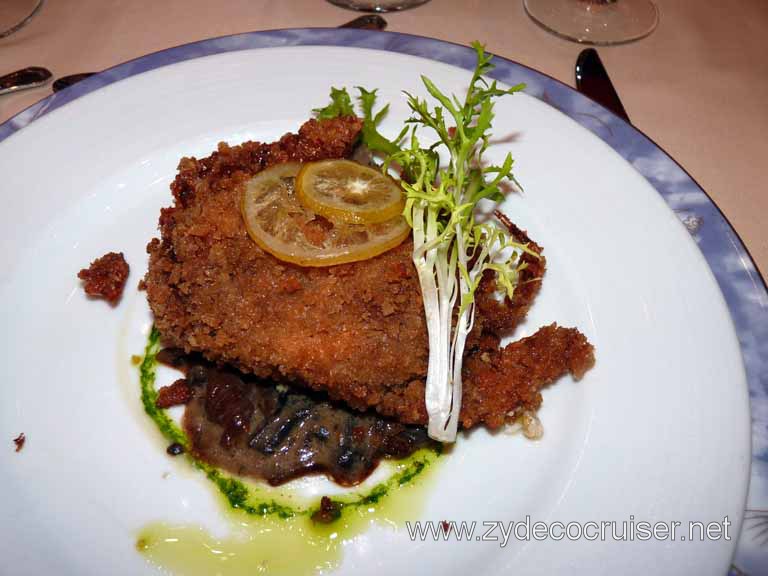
{"x":355,"y":330}
{"x":502,"y":382}
{"x":105,"y":277}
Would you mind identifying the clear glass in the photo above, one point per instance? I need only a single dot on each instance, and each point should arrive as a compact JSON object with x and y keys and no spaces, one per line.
{"x":598,"y":22}
{"x":378,"y":5}
{"x":15,"y":14}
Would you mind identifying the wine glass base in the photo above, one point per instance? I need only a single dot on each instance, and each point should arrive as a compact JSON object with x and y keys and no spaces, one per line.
{"x":596,"y":22}
{"x":378,"y":5}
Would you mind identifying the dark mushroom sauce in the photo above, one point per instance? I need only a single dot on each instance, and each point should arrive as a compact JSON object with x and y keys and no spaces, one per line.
{"x":255,"y":428}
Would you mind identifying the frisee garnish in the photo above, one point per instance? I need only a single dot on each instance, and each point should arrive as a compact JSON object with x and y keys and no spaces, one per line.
{"x":451,"y":249}
{"x":341,"y":105}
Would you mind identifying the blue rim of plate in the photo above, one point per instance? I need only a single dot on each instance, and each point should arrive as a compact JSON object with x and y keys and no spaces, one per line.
{"x":741,"y":284}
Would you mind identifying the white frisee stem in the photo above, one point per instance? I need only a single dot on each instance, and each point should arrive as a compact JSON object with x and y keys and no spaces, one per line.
{"x":440,"y":411}
{"x":464,"y":325}
{"x":438,"y":288}
{"x":437,"y":372}
{"x":441,"y":287}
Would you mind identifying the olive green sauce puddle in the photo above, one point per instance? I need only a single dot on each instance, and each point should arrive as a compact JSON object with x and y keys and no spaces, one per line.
{"x":271,"y":535}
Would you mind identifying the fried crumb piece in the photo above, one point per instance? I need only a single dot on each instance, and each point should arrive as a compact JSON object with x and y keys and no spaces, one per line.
{"x":136,"y":359}
{"x":177,"y":393}
{"x":525,"y":421}
{"x":106,"y":276}
{"x":532,"y":427}
{"x":328,"y":511}
{"x":290,"y":285}
{"x":19,"y":441}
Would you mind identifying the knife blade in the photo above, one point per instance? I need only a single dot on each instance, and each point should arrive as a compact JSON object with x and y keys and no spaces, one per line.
{"x":593,"y":81}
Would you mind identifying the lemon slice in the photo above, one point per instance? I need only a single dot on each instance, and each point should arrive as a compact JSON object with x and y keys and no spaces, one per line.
{"x":281,"y":225}
{"x":346,"y":191}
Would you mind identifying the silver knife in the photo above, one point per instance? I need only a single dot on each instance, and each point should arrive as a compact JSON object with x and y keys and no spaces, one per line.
{"x":592,"y":80}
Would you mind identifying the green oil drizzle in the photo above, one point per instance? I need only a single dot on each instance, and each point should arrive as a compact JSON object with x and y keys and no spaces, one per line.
{"x":270,"y":534}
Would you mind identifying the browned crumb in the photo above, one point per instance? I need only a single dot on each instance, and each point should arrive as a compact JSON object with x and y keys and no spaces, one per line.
{"x":328,"y":511}
{"x":19,"y":441}
{"x":177,"y":393}
{"x":106,"y":276}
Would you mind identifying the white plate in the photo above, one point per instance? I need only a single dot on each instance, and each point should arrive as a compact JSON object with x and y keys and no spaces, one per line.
{"x":657,"y":431}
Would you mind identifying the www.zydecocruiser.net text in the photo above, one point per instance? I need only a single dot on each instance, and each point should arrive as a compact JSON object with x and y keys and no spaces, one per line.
{"x":526,"y":530}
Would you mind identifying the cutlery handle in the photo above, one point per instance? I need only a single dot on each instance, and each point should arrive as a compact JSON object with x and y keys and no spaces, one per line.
{"x":31,"y":77}
{"x":67,"y":81}
{"x":593,"y":81}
